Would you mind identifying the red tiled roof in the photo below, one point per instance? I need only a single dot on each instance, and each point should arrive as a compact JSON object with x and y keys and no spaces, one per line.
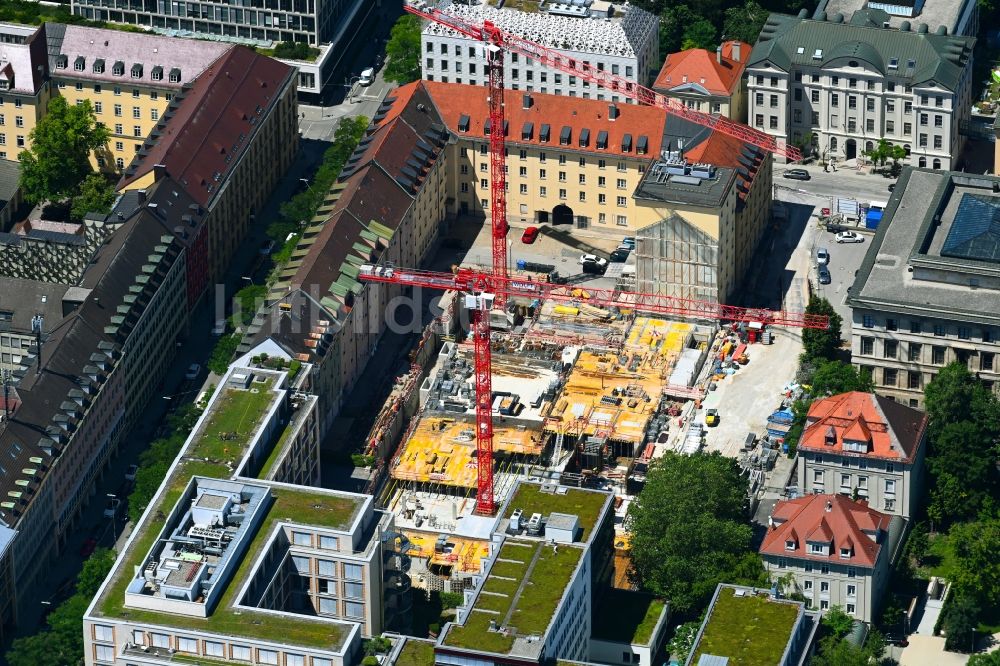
{"x":214,"y":121}
{"x":700,"y":68}
{"x":890,"y":430}
{"x":454,"y":100}
{"x":831,"y":518}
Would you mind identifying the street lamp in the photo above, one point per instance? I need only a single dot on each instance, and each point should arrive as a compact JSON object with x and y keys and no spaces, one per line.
{"x":115,"y":503}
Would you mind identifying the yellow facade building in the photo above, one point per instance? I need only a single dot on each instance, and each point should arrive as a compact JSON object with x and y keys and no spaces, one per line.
{"x":24,"y":85}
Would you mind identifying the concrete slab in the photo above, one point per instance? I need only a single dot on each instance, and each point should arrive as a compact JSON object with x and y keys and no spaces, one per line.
{"x":929,"y":651}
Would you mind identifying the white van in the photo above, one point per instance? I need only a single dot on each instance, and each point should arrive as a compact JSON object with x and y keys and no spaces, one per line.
{"x":367,"y":77}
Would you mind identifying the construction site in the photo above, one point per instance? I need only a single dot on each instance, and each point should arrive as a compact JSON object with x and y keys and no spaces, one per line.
{"x":582,"y":396}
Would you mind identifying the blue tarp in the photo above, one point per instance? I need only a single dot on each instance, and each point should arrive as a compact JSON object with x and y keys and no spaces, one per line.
{"x":872,"y":219}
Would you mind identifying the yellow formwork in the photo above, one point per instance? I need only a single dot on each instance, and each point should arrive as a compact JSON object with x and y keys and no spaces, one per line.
{"x":465,"y":555}
{"x":660,"y":335}
{"x":443,"y":450}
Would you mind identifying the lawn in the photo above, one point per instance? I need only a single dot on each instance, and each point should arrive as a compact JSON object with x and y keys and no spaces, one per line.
{"x":627,"y":617}
{"x":475,"y":635}
{"x":749,"y":630}
{"x":940,"y":558}
{"x":416,"y":653}
{"x":583,"y":503}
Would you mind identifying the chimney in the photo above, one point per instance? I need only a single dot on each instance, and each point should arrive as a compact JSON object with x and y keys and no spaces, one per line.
{"x":736,"y":51}
{"x":829,"y":506}
{"x":612,"y":111}
{"x":526,"y":101}
{"x":718,"y":54}
{"x":141,"y":194}
{"x":159,"y":170}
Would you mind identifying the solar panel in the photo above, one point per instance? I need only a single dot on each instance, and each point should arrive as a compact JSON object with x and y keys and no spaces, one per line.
{"x":975,"y":233}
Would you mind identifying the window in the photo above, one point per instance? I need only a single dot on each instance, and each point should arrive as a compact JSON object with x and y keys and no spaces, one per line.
{"x":940,"y":330}
{"x":302,"y":538}
{"x":907,"y":129}
{"x":483,"y":183}
{"x":758,"y":120}
{"x":543,"y":191}
{"x":923,"y":120}
{"x":818,"y":477}
{"x":937,"y":144}
{"x":136,"y":112}
{"x":773,"y":122}
{"x":850,"y":609}
{"x":269,"y":657}
{"x":301,"y":564}
{"x":562,"y":194}
{"x":790,"y":544}
{"x":851,"y":572}
{"x":867,"y":346}
{"x":621,"y":184}
{"x":19,"y":121}
{"x":104,"y":653}
{"x":622,"y":201}
{"x":845,"y":553}
{"x":913,"y":380}
{"x":889,"y":376}
{"x":890,"y":486}
{"x":986,"y":361}
{"x":160,"y":640}
{"x":915,"y":326}
{"x":868,"y":321}
{"x":187,"y":645}
{"x":817,"y":548}
{"x":138,"y":637}
{"x":890,"y":348}
{"x":890,"y":106}
{"x":963,"y":333}
{"x":240,"y":652}
{"x":98,"y":108}
{"x":213,"y":649}
{"x":118,"y":110}
{"x":354,"y":609}
{"x":103,"y":633}
{"x":583,"y":196}
{"x":852,"y":101}
{"x":913,"y":352}
{"x":295,"y":660}
{"x":523,"y":188}
{"x":119,"y":145}
{"x":774,"y":101}
{"x":807,"y":584}
{"x":824,"y":587}
{"x":814,"y":96}
{"x":937,"y":355}
{"x":621,"y":220}
{"x":327,"y":605}
{"x":834,"y":100}
{"x":869,"y":125}
{"x":845,"y":481}
{"x":824,"y":568}
{"x":602,"y":199}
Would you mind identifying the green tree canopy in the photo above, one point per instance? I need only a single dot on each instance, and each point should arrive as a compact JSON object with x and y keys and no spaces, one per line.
{"x":838,"y":622}
{"x":743,"y":22}
{"x":833,"y":377}
{"x":59,"y":157}
{"x":958,"y":621}
{"x":985,"y":659}
{"x":403,"y":50}
{"x":96,"y":195}
{"x":822,"y":343}
{"x":976,"y":572}
{"x":688,"y":527}
{"x":699,"y":34}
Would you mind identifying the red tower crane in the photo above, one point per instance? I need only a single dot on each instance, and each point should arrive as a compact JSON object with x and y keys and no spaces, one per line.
{"x":484,"y":289}
{"x":497,"y":41}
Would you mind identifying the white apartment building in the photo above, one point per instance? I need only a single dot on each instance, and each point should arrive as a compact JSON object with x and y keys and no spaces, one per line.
{"x":621,"y":39}
{"x":865,"y":445}
{"x":841,"y":85}
{"x":928,"y":291}
{"x":836,"y":550}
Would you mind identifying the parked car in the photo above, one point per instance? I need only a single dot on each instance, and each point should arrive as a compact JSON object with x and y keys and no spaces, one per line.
{"x":594,"y":268}
{"x":835,"y":227}
{"x":850,"y":237}
{"x":822,"y":256}
{"x":529,"y":235}
{"x":111,"y":507}
{"x":88,"y":547}
{"x":629,"y":242}
{"x":192,"y":372}
{"x":619,"y":255}
{"x":824,"y":274}
{"x":131,"y":472}
{"x":797,"y":174}
{"x":367,"y":77}
{"x":593,"y":259}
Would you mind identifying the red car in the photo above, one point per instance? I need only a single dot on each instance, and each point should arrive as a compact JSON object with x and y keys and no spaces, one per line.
{"x":529,"y":235}
{"x":88,"y":547}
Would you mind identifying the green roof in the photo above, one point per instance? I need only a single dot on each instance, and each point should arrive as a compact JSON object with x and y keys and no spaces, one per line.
{"x":629,"y":617}
{"x":207,"y":454}
{"x":585,"y":504}
{"x":521,"y":594}
{"x":787,"y":41}
{"x":748,"y":630}
{"x":415,"y":653}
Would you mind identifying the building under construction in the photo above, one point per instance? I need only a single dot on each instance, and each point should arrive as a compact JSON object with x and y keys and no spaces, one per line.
{"x":580,"y":394}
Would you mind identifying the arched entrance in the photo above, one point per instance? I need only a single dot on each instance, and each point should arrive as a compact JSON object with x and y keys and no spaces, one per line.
{"x":562,"y":214}
{"x":850,"y":149}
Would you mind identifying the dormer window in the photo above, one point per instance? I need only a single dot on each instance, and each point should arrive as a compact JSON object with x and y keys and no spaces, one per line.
{"x":136,"y":71}
{"x":118,"y":69}
{"x":62,"y":61}
{"x":99,"y":66}
{"x":175,"y":75}
{"x":817,"y":549}
{"x":845,"y":553}
{"x":790,"y":544}
{"x":80,"y":64}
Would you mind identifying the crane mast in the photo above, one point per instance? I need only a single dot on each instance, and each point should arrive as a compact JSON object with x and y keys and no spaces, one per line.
{"x":482,"y":289}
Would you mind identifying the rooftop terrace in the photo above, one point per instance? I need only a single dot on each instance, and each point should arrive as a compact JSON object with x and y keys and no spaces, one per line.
{"x":748,"y":629}
{"x":231,"y":423}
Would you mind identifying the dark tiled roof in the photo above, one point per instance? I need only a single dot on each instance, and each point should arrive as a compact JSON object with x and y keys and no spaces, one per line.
{"x":204,"y":134}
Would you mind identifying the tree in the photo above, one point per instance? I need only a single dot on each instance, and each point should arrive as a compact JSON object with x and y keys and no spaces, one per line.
{"x":985,"y":659}
{"x":95,"y":195}
{"x":403,"y":50}
{"x":680,"y":645}
{"x":976,"y":570}
{"x":59,"y":157}
{"x":833,"y":377}
{"x":700,"y":34}
{"x":955,"y":395}
{"x":688,"y":527}
{"x":744,"y":22}
{"x":820,"y":343}
{"x":958,"y":621}
{"x":836,"y":651}
{"x":838,"y":622}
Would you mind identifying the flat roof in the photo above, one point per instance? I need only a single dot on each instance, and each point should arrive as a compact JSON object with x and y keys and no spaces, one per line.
{"x":587,"y":505}
{"x":207,"y":454}
{"x":933,"y":12}
{"x":747,"y":627}
{"x":904,"y":270}
{"x":624,"y":616}
{"x":520,"y":595}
